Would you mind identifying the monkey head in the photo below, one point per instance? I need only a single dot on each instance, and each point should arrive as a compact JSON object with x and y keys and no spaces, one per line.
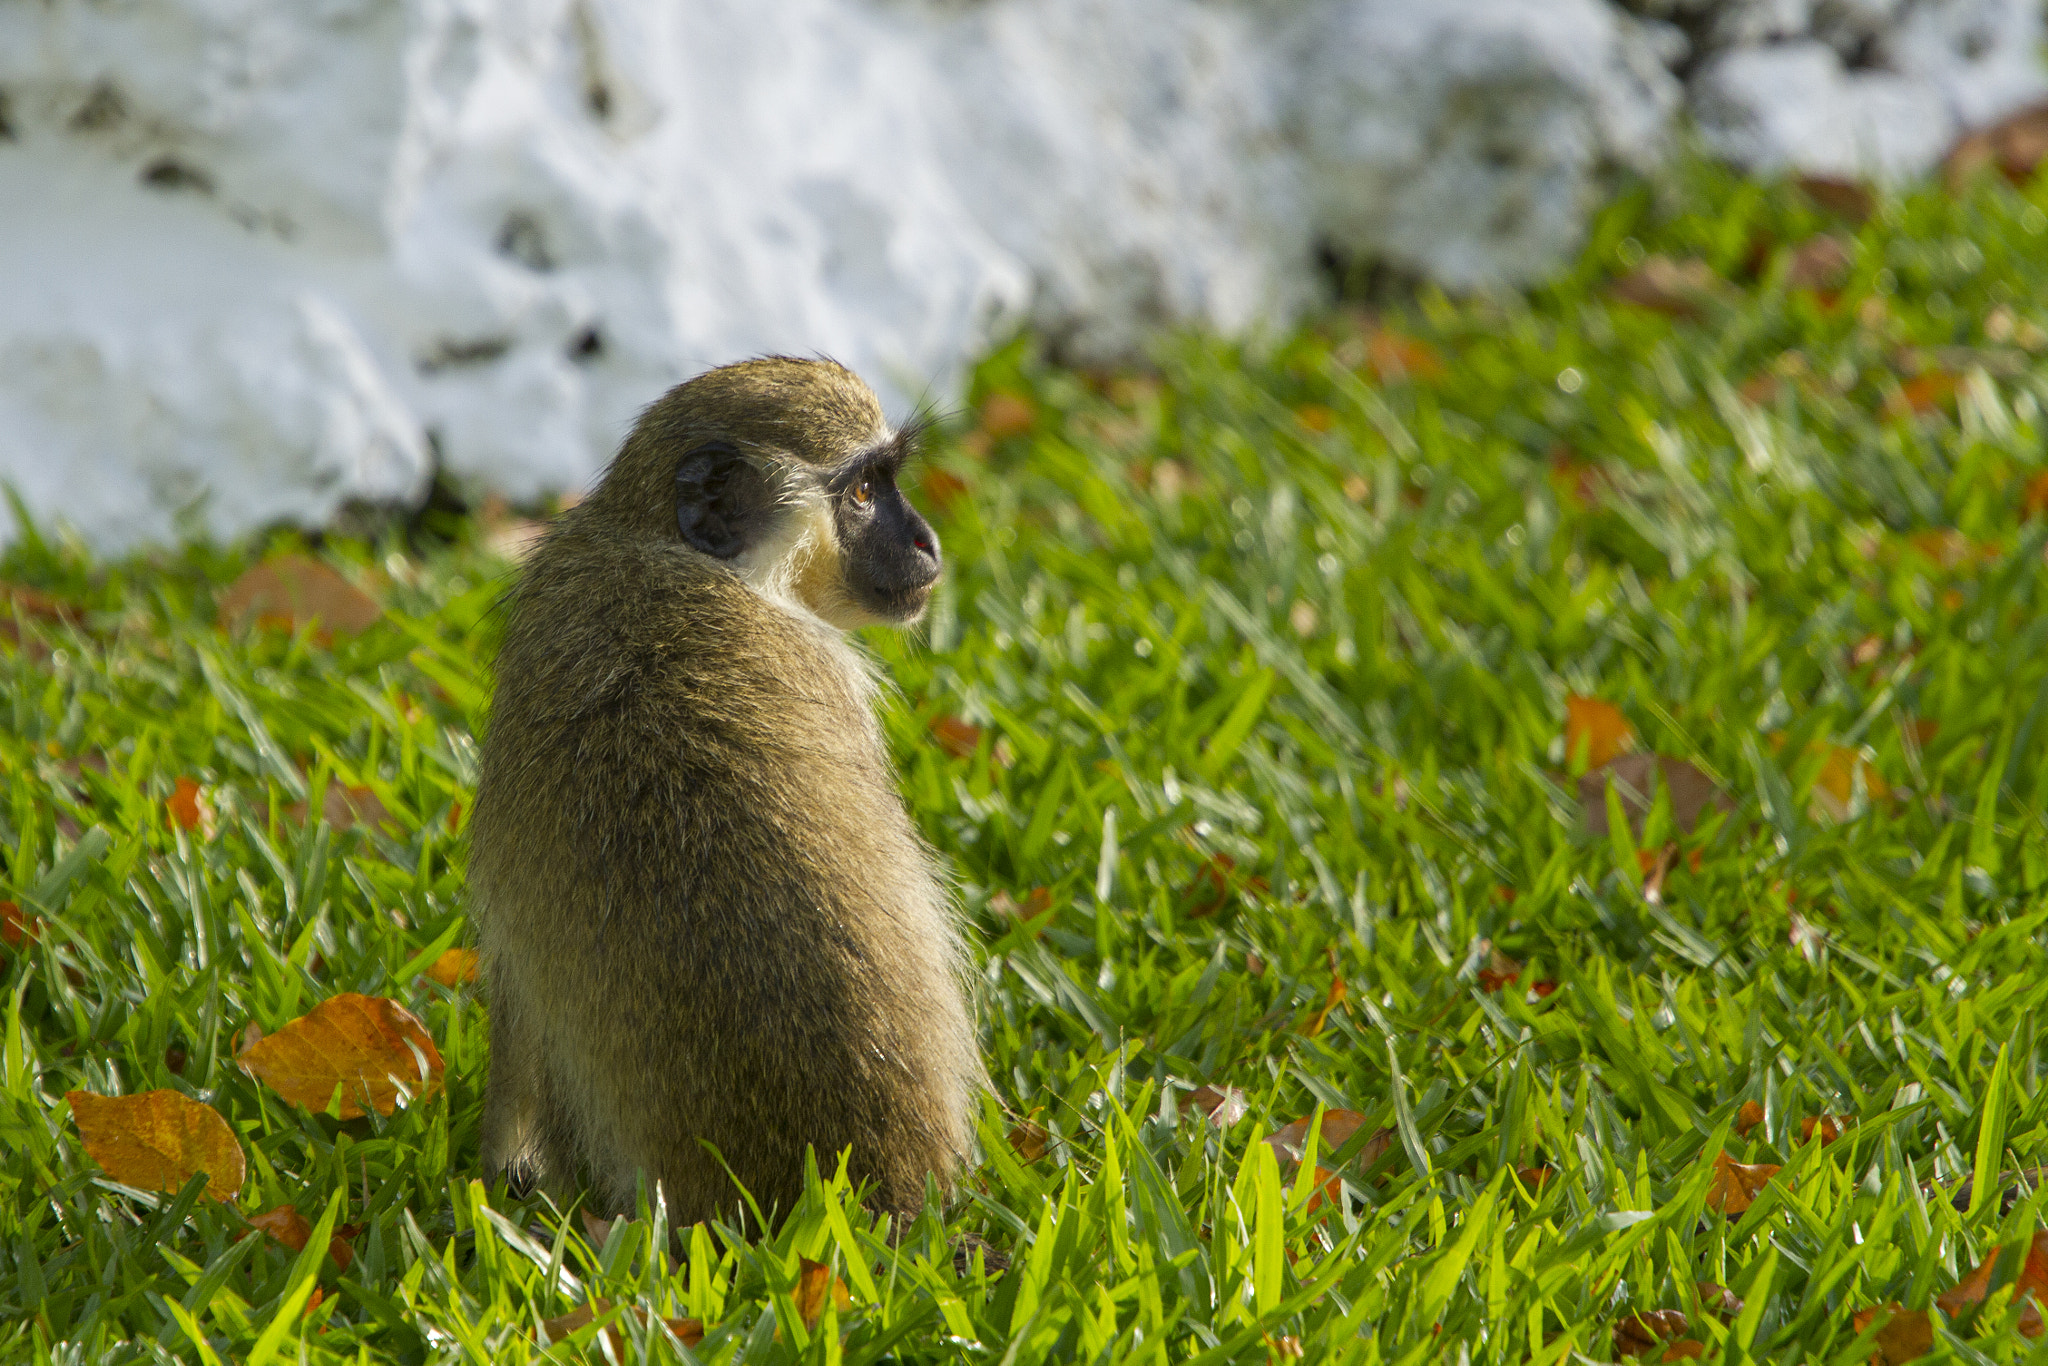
{"x":784,"y":471}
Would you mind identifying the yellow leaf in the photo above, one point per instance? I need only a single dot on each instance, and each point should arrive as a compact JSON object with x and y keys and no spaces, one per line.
{"x":369,"y":1046}
{"x":159,"y":1140}
{"x":1597,"y":729}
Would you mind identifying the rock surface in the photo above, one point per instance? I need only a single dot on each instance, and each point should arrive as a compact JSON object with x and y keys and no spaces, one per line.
{"x":259,"y":261}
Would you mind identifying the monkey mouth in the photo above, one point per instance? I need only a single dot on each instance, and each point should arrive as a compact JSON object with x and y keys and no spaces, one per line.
{"x":903,"y":606}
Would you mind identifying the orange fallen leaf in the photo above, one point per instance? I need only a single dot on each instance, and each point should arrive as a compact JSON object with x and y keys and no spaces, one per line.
{"x":191,"y":808}
{"x":1036,"y":903}
{"x":1534,"y":1177}
{"x":19,"y":598}
{"x":1544,"y":987}
{"x":1748,"y":1117}
{"x":2031,"y":1284}
{"x":1029,"y":1141}
{"x":159,"y":1140}
{"x":1335,"y":998}
{"x":17,"y":930}
{"x":1394,"y":356}
{"x":293,"y":591}
{"x":1922,"y":394}
{"x":958,"y":738}
{"x":454,"y":967}
{"x":1906,"y":1334}
{"x":1222,"y":1106}
{"x":1639,"y":1334}
{"x":1005,"y":414}
{"x":2034,"y":498}
{"x":1595,"y":730}
{"x":368,"y":1046}
{"x":943,"y":488}
{"x":1315,"y":417}
{"x":1736,"y":1184}
{"x":689,"y":1332}
{"x":1499,"y":970}
{"x":1829,"y":1127}
{"x":290,"y":1228}
{"x":814,"y":1282}
{"x":1835,"y":785}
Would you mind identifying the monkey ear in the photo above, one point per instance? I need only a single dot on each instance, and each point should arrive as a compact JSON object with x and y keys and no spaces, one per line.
{"x":721,"y":500}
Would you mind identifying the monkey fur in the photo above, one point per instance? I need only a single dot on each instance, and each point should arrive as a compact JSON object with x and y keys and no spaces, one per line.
{"x":703,"y":913}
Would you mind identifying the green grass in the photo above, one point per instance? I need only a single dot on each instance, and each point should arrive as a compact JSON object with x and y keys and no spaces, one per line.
{"x":1255,"y":603}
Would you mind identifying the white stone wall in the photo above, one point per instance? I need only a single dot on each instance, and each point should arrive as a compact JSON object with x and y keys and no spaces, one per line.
{"x":258,"y":259}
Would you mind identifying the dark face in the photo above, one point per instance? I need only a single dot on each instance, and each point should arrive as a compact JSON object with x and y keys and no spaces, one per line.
{"x":888,"y":554}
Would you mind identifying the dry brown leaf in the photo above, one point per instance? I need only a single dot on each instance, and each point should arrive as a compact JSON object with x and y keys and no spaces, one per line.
{"x":1906,"y":1334}
{"x":958,"y":738}
{"x":346,"y":806}
{"x":1736,"y":1184}
{"x":17,"y":930}
{"x":1029,"y":1141}
{"x":814,"y":1282}
{"x":2030,"y":1284}
{"x":1222,"y":1106}
{"x":2014,"y":146}
{"x":1290,"y":1141}
{"x":598,"y":1230}
{"x":159,"y":1140}
{"x":1499,"y":970}
{"x":1845,"y":198}
{"x":689,"y":1332}
{"x":1682,"y":289}
{"x":1534,"y":1177}
{"x":292,"y":591}
{"x":366,"y":1045}
{"x":1718,"y":1300}
{"x":290,"y":1228}
{"x":20,"y":599}
{"x":1830,"y":1127}
{"x":1748,"y":1117}
{"x":1819,"y":263}
{"x":1639,"y":1334}
{"x":1595,"y":732}
{"x":1634,"y":777}
{"x":454,"y":968}
{"x":1284,"y":1347}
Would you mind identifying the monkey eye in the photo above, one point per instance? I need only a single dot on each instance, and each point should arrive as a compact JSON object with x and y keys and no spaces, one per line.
{"x":863,"y":493}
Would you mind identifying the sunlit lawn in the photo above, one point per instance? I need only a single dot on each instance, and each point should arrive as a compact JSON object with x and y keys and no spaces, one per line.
{"x":1243,"y":721}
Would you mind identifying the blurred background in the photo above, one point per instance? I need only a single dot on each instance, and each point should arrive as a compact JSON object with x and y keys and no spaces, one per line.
{"x":261,"y":263}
